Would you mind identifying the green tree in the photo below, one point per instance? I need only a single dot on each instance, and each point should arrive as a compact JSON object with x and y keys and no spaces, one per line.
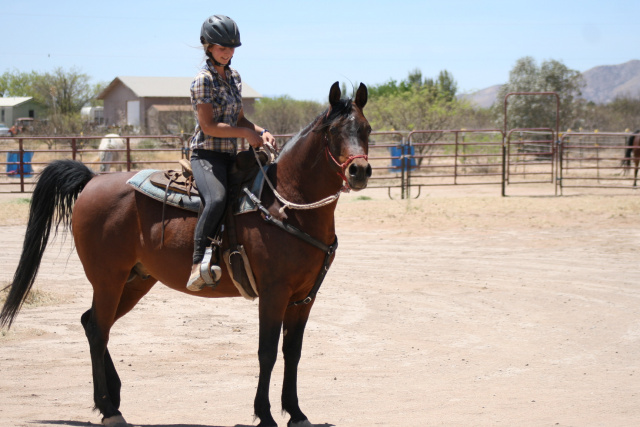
{"x":416,"y":103}
{"x":61,"y":91}
{"x":444,"y":86}
{"x":17,"y":83}
{"x":283,"y":115}
{"x":537,"y":111}
{"x":65,"y":92}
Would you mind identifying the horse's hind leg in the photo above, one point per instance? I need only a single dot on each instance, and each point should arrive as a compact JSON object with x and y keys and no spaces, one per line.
{"x":97,"y":322}
{"x":106,"y":383}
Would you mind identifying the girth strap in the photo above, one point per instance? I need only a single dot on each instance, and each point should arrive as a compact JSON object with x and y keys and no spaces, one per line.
{"x":328,"y":250}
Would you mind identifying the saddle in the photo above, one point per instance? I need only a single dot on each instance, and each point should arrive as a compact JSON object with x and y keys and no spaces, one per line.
{"x":178,"y":188}
{"x":175,"y":184}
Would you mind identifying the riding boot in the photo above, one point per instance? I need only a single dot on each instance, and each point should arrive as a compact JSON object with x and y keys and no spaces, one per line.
{"x":204,"y":274}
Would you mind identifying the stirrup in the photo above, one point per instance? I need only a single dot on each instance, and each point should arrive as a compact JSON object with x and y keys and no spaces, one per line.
{"x":207,"y":274}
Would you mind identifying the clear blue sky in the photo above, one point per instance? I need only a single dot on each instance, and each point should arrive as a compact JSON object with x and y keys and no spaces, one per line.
{"x":299,"y":48}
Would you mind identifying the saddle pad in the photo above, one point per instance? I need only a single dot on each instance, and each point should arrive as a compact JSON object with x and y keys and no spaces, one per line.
{"x":141,"y":183}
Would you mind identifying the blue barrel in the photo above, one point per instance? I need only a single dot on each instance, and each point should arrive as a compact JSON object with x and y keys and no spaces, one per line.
{"x":13,"y":164}
{"x":396,"y":163}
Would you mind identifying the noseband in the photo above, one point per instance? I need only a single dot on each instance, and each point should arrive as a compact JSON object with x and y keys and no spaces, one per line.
{"x":343,"y":166}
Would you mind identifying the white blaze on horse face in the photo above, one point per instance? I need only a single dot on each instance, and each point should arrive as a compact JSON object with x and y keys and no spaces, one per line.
{"x":354,"y":137}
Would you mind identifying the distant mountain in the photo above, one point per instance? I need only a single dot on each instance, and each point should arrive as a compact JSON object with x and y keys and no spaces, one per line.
{"x":606,"y":82}
{"x":483,"y":98}
{"x":603,"y":84}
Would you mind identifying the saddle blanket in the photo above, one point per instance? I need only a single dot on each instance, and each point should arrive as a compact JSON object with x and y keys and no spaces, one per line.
{"x":142,"y":183}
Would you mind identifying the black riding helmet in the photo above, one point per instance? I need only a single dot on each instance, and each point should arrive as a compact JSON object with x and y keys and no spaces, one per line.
{"x":220,"y":30}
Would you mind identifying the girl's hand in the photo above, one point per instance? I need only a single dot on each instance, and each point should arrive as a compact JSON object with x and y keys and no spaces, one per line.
{"x":267,"y":138}
{"x":254,"y":139}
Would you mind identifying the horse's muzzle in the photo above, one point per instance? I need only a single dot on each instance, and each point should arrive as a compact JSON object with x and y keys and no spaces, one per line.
{"x":358,"y":173}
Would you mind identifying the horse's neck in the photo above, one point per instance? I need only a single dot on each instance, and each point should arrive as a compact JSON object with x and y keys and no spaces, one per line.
{"x":303,"y":173}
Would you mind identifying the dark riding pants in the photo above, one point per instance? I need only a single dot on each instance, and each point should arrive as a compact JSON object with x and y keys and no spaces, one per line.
{"x":210,"y":172}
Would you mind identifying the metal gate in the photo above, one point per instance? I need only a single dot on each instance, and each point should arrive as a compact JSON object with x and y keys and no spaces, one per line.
{"x":529,"y":154}
{"x":454,"y":157}
{"x":593,"y":160}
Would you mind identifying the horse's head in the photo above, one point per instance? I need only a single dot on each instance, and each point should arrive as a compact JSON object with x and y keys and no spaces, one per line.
{"x":347,"y":136}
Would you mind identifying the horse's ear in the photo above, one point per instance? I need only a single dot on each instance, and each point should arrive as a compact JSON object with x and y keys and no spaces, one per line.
{"x":361,"y":96}
{"x":334,"y":94}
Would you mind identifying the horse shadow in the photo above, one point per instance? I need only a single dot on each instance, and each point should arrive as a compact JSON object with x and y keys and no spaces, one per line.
{"x":90,"y":424}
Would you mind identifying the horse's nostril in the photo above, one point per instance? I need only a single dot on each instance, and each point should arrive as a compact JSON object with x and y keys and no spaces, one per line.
{"x":354,"y":170}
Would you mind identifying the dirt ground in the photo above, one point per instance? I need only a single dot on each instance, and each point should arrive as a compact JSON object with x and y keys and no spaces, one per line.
{"x":459,"y":308}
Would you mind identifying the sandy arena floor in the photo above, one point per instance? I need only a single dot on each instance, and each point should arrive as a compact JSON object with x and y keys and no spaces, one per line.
{"x":460,"y":308}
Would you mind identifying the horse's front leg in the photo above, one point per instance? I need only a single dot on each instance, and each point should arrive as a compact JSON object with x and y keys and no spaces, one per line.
{"x":295,"y":321}
{"x":271,"y":314}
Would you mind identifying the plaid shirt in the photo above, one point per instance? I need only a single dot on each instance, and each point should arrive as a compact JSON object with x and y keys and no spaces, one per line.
{"x":226,"y":98}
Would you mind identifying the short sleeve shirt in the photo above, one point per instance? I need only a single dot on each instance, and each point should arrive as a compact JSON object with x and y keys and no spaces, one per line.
{"x":226,"y":98}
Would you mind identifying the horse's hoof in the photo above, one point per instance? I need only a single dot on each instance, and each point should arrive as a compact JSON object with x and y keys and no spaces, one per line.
{"x":115,"y":421}
{"x":303,"y":423}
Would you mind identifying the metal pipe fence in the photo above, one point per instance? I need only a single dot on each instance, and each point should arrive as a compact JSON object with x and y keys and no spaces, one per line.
{"x":593,"y":160}
{"x":401,"y":161}
{"x":454,"y":157}
{"x":26,"y":156}
{"x":530,"y":156}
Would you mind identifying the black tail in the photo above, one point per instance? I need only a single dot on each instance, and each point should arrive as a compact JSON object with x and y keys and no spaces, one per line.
{"x":57,"y":189}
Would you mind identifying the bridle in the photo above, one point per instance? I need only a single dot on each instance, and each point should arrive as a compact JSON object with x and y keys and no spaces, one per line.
{"x":343,"y":166}
{"x":327,"y":200}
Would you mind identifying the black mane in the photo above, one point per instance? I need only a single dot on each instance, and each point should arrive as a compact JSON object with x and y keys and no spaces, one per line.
{"x":324,"y":120}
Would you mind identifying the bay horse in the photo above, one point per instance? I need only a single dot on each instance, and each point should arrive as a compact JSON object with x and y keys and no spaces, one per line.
{"x":633,"y":144}
{"x":117,"y":234}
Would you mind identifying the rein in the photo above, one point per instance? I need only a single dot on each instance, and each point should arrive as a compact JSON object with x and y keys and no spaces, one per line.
{"x":328,"y":250}
{"x":303,"y":206}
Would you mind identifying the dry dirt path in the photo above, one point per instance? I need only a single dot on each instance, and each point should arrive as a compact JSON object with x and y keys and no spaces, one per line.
{"x":456,"y":309}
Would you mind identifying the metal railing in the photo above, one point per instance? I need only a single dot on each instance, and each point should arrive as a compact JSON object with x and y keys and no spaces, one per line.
{"x":27,"y":155}
{"x":593,"y":160}
{"x":401,"y":161}
{"x":454,"y":157}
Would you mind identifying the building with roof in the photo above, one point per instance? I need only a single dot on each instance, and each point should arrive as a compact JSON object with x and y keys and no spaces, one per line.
{"x":12,"y":108}
{"x":146,"y":103}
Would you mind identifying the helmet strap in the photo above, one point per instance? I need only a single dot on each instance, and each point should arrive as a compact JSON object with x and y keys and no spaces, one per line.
{"x":219,"y":64}
{"x":216,"y":63}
